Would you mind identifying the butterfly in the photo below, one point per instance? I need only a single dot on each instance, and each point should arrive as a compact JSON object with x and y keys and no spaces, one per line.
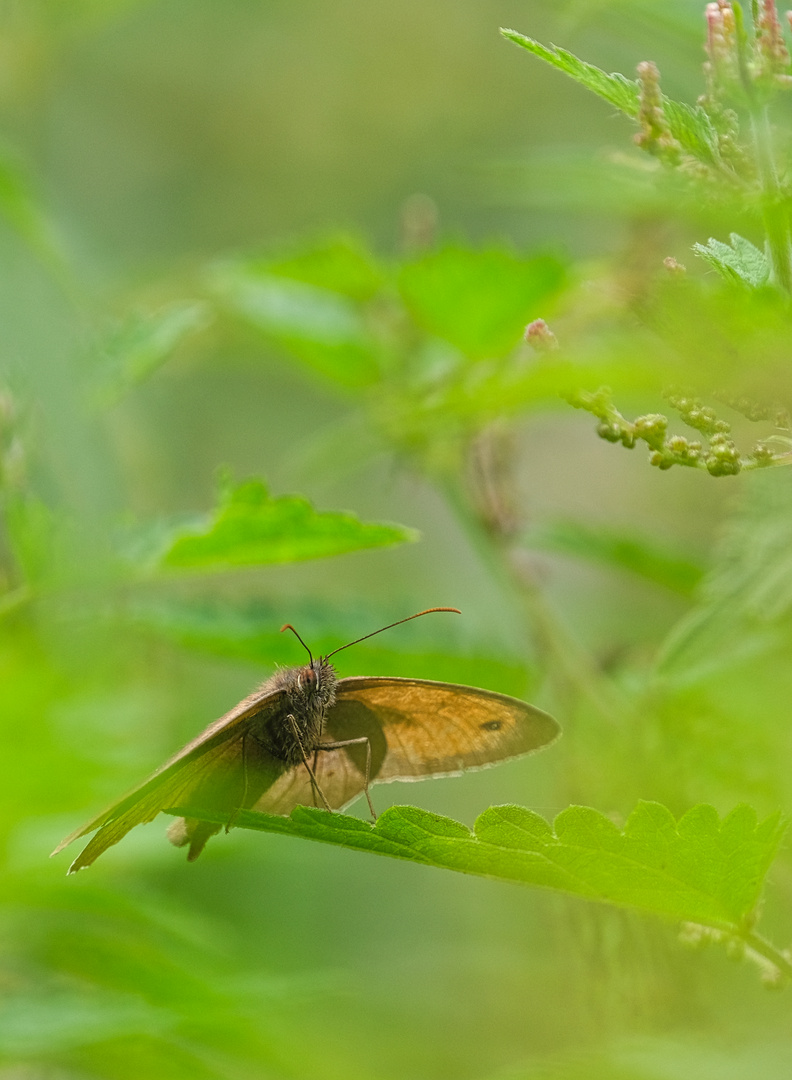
{"x":306,"y":737}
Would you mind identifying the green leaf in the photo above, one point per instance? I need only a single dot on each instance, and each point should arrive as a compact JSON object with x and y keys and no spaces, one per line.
{"x":614,"y":88}
{"x":638,"y":555}
{"x":323,"y":328}
{"x":251,"y":527}
{"x":425,"y":649}
{"x":692,"y":129}
{"x":136,"y":348}
{"x":699,"y":869}
{"x":21,"y":210}
{"x":340,"y":264}
{"x":689,"y":125}
{"x":480,"y":301}
{"x":737,"y":262}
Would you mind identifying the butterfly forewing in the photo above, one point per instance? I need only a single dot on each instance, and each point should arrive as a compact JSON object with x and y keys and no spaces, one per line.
{"x":211,"y":767}
{"x":421,"y":728}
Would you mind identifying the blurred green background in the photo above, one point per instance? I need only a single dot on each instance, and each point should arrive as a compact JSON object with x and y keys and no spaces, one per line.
{"x":146,"y":144}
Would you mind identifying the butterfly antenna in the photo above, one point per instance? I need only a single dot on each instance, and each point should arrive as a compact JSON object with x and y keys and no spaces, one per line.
{"x":389,"y":626}
{"x":288,"y":626}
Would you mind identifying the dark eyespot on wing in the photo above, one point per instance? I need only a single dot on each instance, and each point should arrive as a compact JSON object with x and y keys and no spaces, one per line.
{"x":433,"y":728}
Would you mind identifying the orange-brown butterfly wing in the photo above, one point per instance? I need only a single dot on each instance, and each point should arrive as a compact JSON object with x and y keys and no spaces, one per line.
{"x":340,"y":776}
{"x":421,"y":728}
{"x":208,"y":768}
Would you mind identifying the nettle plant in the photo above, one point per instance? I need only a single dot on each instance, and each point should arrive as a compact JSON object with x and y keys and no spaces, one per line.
{"x":432,"y":360}
{"x":725,"y":150}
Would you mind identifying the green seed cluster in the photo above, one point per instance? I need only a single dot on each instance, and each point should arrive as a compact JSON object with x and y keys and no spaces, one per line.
{"x":720,"y":456}
{"x":724,"y":457}
{"x":757,"y":410}
{"x":696,"y":414}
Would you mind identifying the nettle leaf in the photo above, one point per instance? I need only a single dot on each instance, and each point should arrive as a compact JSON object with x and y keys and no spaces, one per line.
{"x":523,"y":381}
{"x":638,"y":555}
{"x":249,"y":630}
{"x":138,"y":346}
{"x":689,"y":124}
{"x":20,"y":208}
{"x":738,"y":261}
{"x":692,"y":129}
{"x":479,"y":301}
{"x":614,"y":88}
{"x":321,"y":326}
{"x":340,"y":263}
{"x":699,"y":869}
{"x":251,"y":528}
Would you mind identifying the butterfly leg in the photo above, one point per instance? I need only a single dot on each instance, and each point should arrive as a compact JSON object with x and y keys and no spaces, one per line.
{"x":314,"y":787}
{"x":356,"y":742}
{"x":311,"y":773}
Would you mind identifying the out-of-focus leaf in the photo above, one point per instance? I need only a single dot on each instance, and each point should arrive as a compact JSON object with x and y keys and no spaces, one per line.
{"x":61,"y":1020}
{"x":251,"y":527}
{"x":670,"y":1058}
{"x":340,"y":264}
{"x":21,"y":210}
{"x":477,"y":393}
{"x":575,"y":179}
{"x":32,"y":529}
{"x":322,"y":327}
{"x":737,"y":261}
{"x":611,"y":182}
{"x":422,"y":650}
{"x":699,"y":869}
{"x":142,"y":343}
{"x":638,"y":555}
{"x":689,"y":124}
{"x":748,"y":589}
{"x":129,"y":991}
{"x":480,"y":301}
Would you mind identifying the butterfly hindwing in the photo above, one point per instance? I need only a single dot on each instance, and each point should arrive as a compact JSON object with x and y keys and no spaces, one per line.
{"x":341,"y":776}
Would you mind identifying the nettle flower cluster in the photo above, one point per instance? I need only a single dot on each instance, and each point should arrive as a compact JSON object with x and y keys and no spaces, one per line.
{"x":716,"y":452}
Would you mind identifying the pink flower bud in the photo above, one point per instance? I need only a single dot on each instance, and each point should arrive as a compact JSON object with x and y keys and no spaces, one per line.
{"x":540,"y":337}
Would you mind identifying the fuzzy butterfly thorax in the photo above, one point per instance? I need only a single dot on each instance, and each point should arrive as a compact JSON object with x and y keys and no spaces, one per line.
{"x":309,"y":692}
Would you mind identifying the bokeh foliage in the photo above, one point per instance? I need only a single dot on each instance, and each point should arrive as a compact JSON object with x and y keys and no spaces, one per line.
{"x":160,"y":324}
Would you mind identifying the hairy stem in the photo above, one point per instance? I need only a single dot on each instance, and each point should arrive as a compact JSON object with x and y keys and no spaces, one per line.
{"x":763,"y":948}
{"x":776,"y":220}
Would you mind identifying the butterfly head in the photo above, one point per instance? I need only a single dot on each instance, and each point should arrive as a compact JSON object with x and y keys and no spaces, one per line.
{"x":315,"y":683}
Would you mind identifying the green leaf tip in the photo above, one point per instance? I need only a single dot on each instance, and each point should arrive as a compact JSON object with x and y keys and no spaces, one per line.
{"x":251,"y":527}
{"x":699,"y":869}
{"x":738,"y":262}
{"x":614,"y":88}
{"x":688,"y":124}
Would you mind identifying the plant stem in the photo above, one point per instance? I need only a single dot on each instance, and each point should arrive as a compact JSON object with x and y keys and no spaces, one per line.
{"x":577,"y":666}
{"x":775,"y":217}
{"x":763,"y":948}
